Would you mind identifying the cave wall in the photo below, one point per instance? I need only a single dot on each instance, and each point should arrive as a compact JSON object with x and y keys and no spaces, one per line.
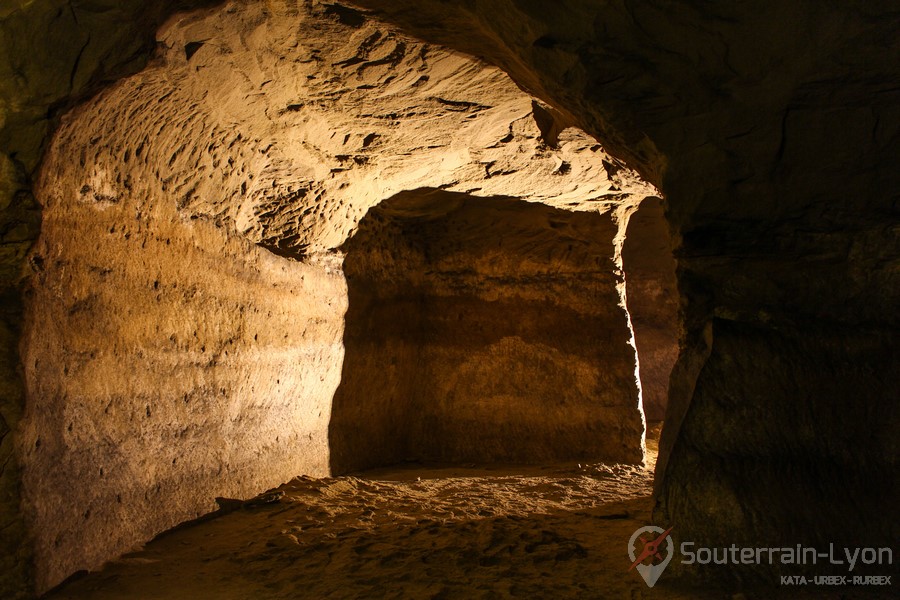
{"x":653,"y":305}
{"x":167,"y":363}
{"x":484,"y":329}
{"x":52,"y":53}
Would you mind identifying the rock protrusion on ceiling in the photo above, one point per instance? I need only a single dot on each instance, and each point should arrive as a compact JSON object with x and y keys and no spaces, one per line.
{"x":287,"y":126}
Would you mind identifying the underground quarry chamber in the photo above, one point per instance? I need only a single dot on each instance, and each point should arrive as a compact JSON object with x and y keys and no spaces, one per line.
{"x":247,"y":243}
{"x":380,"y":252}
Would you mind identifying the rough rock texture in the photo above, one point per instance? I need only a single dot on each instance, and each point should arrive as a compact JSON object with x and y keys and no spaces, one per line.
{"x":652,"y":302}
{"x":185,"y":311}
{"x":166,"y":364}
{"x":773,"y":129}
{"x":15,"y":548}
{"x":483,"y":329}
{"x":52,"y":52}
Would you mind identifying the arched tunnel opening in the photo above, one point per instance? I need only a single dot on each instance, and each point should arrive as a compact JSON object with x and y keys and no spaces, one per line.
{"x":488,"y":330}
{"x":380,"y":299}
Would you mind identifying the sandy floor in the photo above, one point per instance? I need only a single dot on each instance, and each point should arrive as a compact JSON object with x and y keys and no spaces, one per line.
{"x":415,"y":532}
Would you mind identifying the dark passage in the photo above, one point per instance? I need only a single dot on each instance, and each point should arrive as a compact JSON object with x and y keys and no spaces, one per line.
{"x":483,"y":330}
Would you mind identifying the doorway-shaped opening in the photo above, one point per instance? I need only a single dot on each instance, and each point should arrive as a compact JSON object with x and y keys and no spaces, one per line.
{"x":483,"y":330}
{"x":652,"y":304}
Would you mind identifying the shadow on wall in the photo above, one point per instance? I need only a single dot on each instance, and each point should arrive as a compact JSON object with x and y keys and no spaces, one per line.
{"x":483,"y":330}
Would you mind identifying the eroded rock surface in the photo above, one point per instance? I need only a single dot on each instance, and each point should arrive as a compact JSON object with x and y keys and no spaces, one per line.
{"x":772,"y":130}
{"x":52,"y":53}
{"x":186,"y":311}
{"x":167,"y":363}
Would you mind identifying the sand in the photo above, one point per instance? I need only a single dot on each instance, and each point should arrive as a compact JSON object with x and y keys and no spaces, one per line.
{"x":413,"y":531}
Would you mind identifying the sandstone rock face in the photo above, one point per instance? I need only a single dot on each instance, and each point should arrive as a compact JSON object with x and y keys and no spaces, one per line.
{"x":52,"y":52}
{"x":167,"y":363}
{"x":185,"y":316}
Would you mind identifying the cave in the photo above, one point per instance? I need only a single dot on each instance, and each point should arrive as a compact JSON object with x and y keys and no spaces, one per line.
{"x":336,"y":261}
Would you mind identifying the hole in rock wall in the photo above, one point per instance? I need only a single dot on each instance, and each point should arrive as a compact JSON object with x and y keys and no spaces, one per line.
{"x":482,"y":329}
